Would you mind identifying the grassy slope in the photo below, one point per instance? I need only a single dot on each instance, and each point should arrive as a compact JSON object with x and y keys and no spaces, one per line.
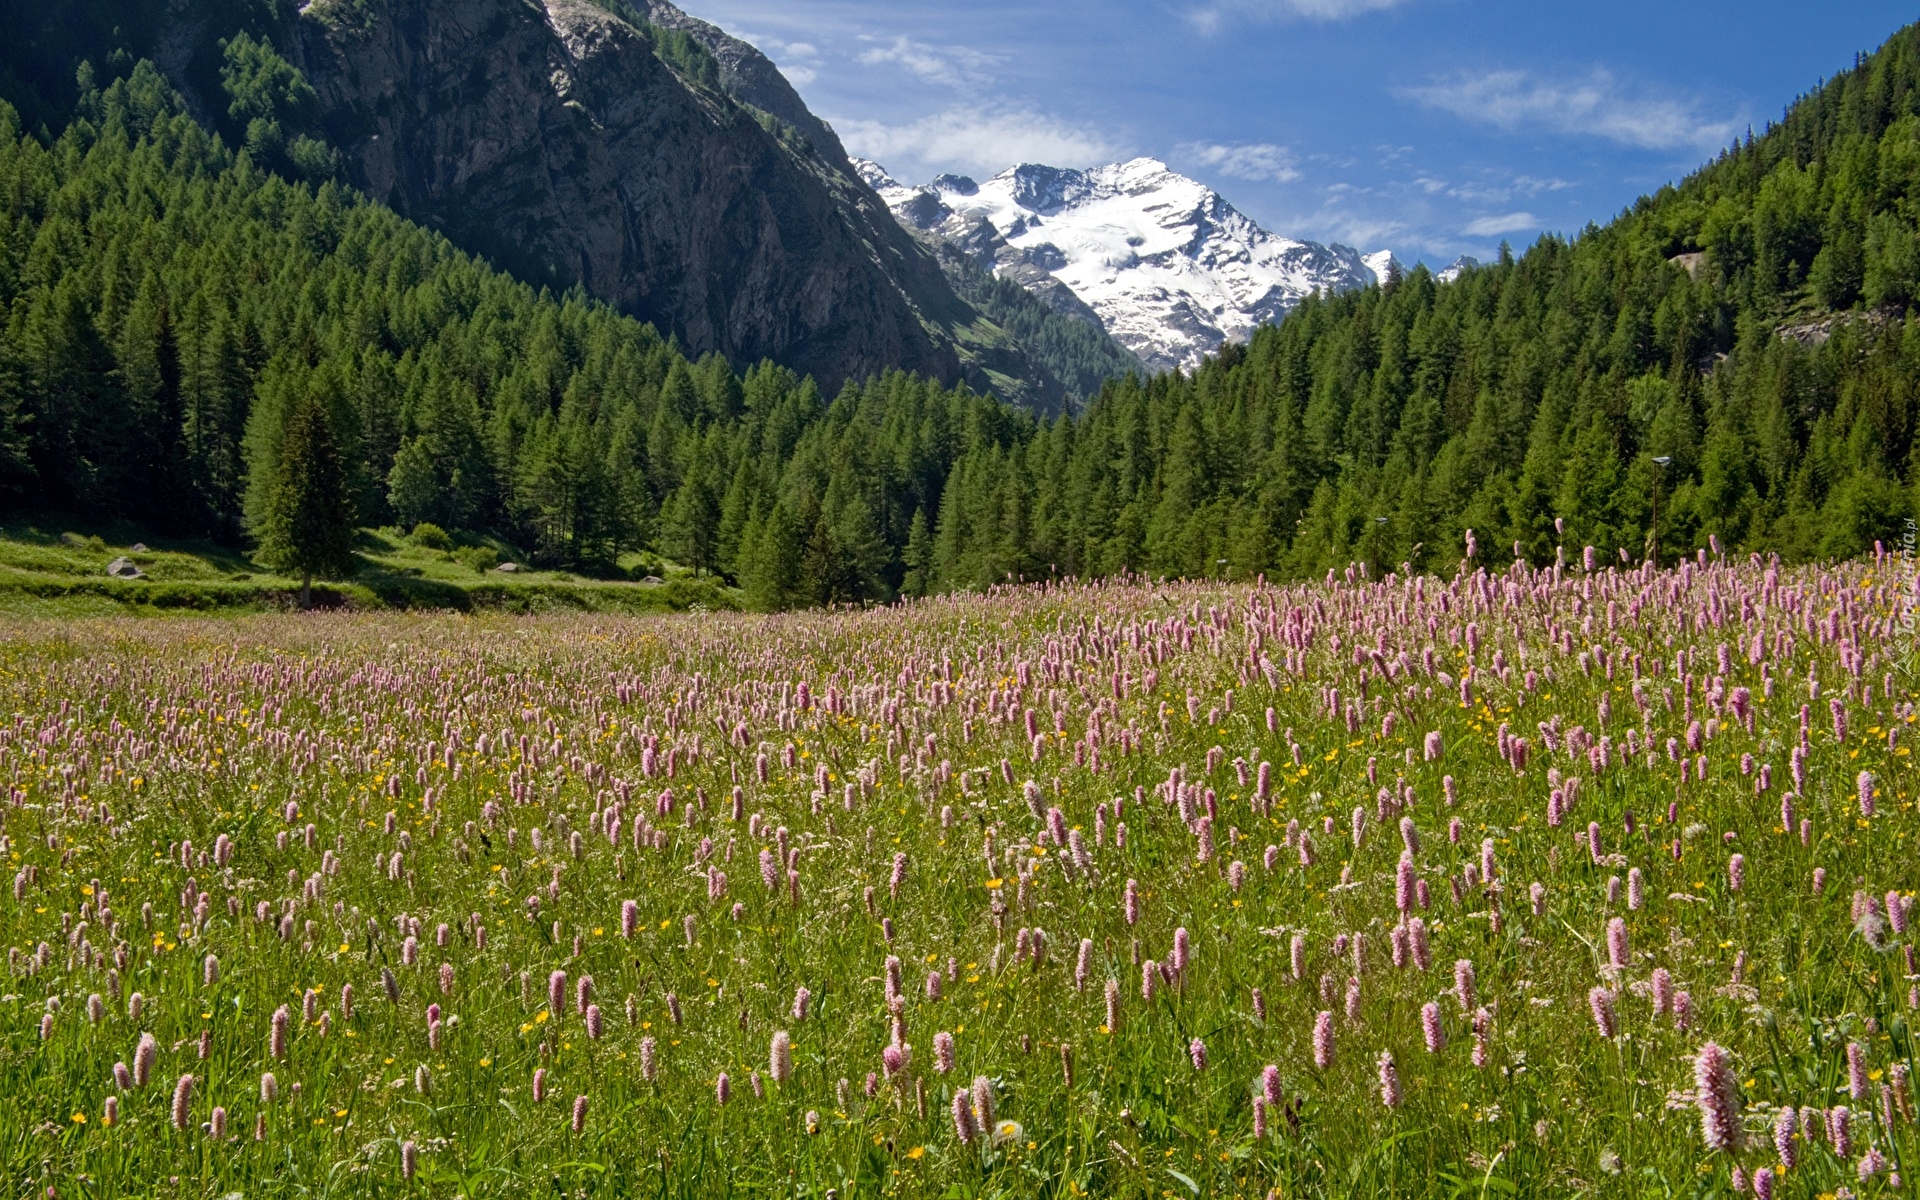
{"x":49,"y":572}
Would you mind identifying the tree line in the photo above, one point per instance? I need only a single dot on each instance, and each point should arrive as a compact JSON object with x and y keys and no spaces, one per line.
{"x":1740,"y":342}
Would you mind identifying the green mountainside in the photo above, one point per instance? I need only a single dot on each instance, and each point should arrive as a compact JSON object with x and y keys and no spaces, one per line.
{"x":1079,"y":353}
{"x":168,"y":302}
{"x":1753,"y":325}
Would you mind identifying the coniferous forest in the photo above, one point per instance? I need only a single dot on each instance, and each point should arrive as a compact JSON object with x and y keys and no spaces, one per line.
{"x":172,"y":302}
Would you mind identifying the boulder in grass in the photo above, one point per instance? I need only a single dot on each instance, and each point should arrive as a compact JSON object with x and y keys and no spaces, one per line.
{"x":508,"y":568}
{"x":138,"y":548}
{"x":125,"y":568}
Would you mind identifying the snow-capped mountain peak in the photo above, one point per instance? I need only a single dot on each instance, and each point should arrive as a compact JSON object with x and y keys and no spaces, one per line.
{"x":1383,"y":265}
{"x":874,"y":175}
{"x":1169,"y":267}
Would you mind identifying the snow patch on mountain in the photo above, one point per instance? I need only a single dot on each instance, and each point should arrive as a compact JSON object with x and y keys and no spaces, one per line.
{"x":1170,"y":268}
{"x":874,"y":175}
{"x":1382,"y":263}
{"x":1458,"y":267}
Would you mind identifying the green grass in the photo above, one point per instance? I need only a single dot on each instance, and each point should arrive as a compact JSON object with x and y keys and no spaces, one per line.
{"x":49,"y":572}
{"x":375,"y":769}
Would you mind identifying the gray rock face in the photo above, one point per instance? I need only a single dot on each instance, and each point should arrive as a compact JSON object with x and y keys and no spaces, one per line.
{"x":548,"y":136}
{"x":751,"y":78}
{"x":125,"y":568}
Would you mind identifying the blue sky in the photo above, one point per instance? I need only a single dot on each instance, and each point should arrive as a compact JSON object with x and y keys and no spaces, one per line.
{"x":1433,"y":128}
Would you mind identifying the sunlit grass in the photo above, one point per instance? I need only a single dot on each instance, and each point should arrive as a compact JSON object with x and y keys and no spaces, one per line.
{"x":382,"y":779}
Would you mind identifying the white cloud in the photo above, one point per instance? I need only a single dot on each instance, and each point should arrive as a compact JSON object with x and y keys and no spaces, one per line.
{"x":799,"y":76}
{"x":1327,"y":10}
{"x":955,"y":66}
{"x":1365,"y":232}
{"x":1258,"y":161}
{"x":978,"y":140}
{"x":1419,"y":215}
{"x":1595,"y":104}
{"x":776,"y":47}
{"x":1496,"y":188}
{"x":1516,"y":222}
{"x":1210,"y":18}
{"x":1533,"y":187}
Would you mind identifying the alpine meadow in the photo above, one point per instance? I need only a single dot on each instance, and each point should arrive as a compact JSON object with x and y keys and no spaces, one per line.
{"x":1531,"y":880}
{"x":653,"y":677}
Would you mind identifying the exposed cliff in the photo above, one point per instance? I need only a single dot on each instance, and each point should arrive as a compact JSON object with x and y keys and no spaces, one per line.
{"x":751,"y":78}
{"x":553,"y":139}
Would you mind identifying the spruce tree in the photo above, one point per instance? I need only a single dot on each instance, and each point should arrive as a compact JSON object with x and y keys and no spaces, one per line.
{"x":864,"y":554}
{"x":307,"y":526}
{"x":690,"y":519}
{"x":918,"y":557}
{"x":215,"y":394}
{"x":78,"y":417}
{"x":16,"y":463}
{"x":770,"y":570}
{"x":736,"y":510}
{"x":828,"y":573}
{"x":632,"y":495}
{"x":413,"y":486}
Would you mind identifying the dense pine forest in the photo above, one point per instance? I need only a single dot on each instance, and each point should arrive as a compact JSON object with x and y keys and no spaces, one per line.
{"x":172,"y":302}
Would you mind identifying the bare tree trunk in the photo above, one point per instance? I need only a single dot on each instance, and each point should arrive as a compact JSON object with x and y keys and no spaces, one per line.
{"x":306,"y":591}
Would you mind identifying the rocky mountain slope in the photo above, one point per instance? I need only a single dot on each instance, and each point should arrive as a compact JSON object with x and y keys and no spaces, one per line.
{"x":554,"y":138}
{"x":1160,"y":261}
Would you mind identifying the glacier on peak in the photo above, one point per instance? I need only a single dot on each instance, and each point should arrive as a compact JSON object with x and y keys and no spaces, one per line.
{"x":1163,"y":262}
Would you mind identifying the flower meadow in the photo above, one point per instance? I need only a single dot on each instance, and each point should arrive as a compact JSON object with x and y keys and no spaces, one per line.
{"x":1585,"y":879}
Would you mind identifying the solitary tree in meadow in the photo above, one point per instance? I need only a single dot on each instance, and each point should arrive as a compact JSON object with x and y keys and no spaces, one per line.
{"x":306,"y":527}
